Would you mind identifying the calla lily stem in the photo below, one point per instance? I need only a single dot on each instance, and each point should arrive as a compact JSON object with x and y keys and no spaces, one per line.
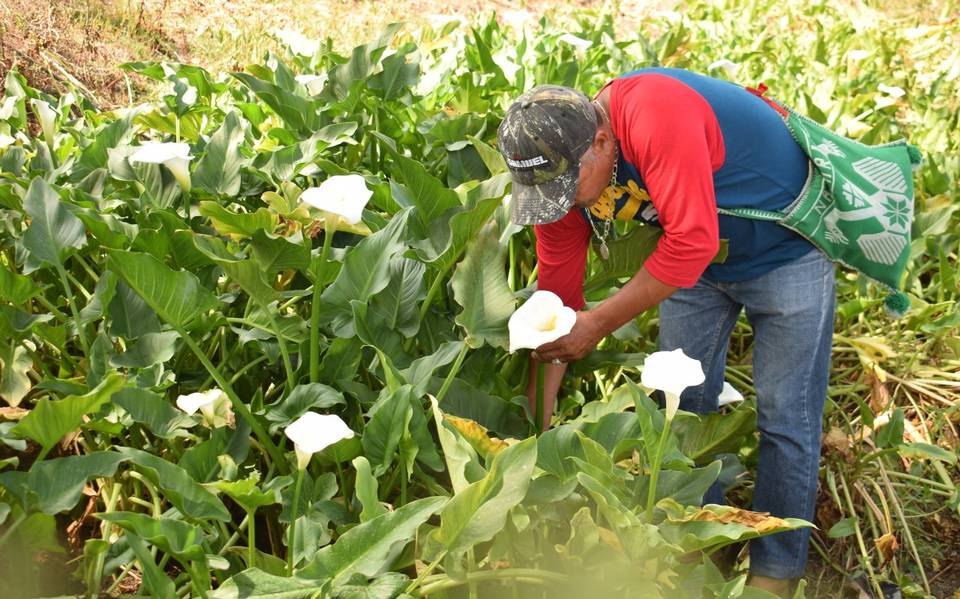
{"x":291,"y":546}
{"x":284,"y":352}
{"x":73,"y":309}
{"x":453,"y":372}
{"x":655,"y":468}
{"x":538,"y":424}
{"x":329,"y":227}
{"x":238,"y":406}
{"x":527,"y":575}
{"x":251,"y":539}
{"x":434,"y":288}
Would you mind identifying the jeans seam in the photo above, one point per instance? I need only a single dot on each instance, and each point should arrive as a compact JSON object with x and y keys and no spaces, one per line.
{"x":798,"y":556}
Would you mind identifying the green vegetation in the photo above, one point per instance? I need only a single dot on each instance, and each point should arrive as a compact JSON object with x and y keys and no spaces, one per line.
{"x":126,"y":287}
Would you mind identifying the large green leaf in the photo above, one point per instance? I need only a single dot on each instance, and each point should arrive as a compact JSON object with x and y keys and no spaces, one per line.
{"x":367,"y":490}
{"x":154,"y":412}
{"x":613,"y":431}
{"x":16,"y":288}
{"x":254,"y":583}
{"x":155,"y":580}
{"x":15,"y":383}
{"x":110,"y":135}
{"x":50,"y":420}
{"x":17,"y":324}
{"x":450,"y":233}
{"x":245,"y":272}
{"x":249,"y":496}
{"x":341,"y":360}
{"x":54,"y":486}
{"x":105,"y":228}
{"x":205,"y":461}
{"x":130,"y":316}
{"x":703,"y":437}
{"x":397,"y":77}
{"x":238,"y":224}
{"x":276,"y":254}
{"x":684,"y":487}
{"x":608,"y":503}
{"x":299,"y":113}
{"x":53,"y":230}
{"x":218,"y":171}
{"x":480,"y":287}
{"x":396,"y":306}
{"x":150,"y":349}
{"x":183,"y":491}
{"x":369,"y":548}
{"x":363,"y":60}
{"x":389,"y":421}
{"x":176,"y":296}
{"x":431,"y":197}
{"x":479,"y":512}
{"x":554,"y":447}
{"x":365,"y":272}
{"x":176,"y":537}
{"x":421,"y":370}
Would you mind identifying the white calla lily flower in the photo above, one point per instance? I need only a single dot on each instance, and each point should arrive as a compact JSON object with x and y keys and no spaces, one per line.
{"x":213,"y":405}
{"x":671,"y":372}
{"x":313,"y":83}
{"x":542,"y":319}
{"x":297,"y":42}
{"x":314,"y":432}
{"x":857,"y":54}
{"x":342,"y":195}
{"x":196,"y":401}
{"x":48,"y":119}
{"x":578,"y":43}
{"x":6,"y":140}
{"x":726,"y":64}
{"x":174,"y":156}
{"x":729,"y":395}
{"x":892,"y":90}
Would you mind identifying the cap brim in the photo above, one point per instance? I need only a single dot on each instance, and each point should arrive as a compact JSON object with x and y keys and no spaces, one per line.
{"x":544,"y":203}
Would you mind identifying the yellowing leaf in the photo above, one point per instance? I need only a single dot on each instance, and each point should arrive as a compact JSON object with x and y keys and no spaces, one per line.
{"x":887,"y":545}
{"x":608,"y":537}
{"x":760,"y":521}
{"x":477,"y":436}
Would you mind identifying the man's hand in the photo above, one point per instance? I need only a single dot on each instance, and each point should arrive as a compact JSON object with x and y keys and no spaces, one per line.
{"x":580,"y":341}
{"x":641,"y":292}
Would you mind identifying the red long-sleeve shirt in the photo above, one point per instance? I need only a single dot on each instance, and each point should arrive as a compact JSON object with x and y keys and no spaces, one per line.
{"x":670,"y":133}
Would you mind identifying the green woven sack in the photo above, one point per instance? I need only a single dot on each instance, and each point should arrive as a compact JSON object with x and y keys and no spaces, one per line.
{"x":857,"y":203}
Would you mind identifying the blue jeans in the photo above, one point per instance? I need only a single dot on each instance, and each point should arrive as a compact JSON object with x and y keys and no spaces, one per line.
{"x":791,"y":312}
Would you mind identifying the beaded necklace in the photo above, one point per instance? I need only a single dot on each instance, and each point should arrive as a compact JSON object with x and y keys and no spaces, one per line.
{"x":604,"y":250}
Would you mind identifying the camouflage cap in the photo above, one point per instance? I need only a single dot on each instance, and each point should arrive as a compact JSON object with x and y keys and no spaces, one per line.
{"x":543,"y":135}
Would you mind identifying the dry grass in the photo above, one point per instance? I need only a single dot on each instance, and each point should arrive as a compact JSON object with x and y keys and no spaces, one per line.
{"x":59,"y":43}
{"x":56,"y":43}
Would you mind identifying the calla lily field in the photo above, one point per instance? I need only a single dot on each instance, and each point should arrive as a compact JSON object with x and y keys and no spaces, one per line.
{"x":267,"y":332}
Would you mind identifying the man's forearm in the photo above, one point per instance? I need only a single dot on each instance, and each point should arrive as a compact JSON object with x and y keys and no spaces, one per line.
{"x":553,"y":377}
{"x":641,"y":293}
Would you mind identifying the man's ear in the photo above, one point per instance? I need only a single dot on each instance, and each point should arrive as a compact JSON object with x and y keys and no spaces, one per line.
{"x":603,"y":140}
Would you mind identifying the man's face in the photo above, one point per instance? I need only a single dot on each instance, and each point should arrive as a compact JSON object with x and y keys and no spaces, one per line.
{"x":596,"y":167}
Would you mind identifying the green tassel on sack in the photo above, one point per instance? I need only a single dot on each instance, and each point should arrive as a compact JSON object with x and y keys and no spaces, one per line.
{"x":896,"y":304}
{"x":916,"y":158}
